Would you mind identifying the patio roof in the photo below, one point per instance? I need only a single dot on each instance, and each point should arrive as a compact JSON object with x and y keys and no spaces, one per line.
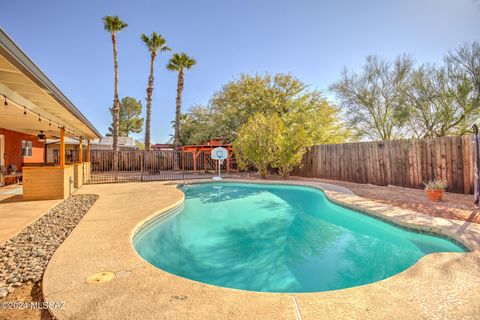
{"x":34,"y":103}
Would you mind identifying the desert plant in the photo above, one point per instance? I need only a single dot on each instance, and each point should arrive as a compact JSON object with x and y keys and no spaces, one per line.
{"x":436,"y":184}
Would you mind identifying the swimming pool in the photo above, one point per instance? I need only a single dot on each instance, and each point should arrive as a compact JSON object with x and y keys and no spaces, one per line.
{"x":278,"y":238}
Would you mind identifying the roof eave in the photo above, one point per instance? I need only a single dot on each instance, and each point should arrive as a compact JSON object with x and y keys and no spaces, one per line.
{"x":23,"y":62}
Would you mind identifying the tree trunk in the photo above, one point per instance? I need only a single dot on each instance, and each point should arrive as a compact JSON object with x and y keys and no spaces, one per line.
{"x":178,"y":111}
{"x":263,"y":171}
{"x":116,"y":107}
{"x":149,"y":104}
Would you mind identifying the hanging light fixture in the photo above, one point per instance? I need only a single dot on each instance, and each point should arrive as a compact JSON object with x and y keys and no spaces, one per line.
{"x":24,"y":110}
{"x":5,"y":103}
{"x":41,"y":136}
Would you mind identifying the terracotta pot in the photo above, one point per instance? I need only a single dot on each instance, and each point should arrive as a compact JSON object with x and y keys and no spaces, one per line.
{"x":435,"y":195}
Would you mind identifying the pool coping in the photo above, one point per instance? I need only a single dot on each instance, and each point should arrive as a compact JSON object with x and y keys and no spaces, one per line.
{"x":298,"y":304}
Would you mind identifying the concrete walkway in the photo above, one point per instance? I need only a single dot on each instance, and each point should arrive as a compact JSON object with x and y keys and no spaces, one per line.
{"x":439,"y":286}
{"x":16,"y":214}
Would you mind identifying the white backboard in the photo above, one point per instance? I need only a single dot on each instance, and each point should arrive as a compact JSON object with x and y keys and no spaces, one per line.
{"x":219,"y":153}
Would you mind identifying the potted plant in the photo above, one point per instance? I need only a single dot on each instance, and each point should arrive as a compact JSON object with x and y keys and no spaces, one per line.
{"x":435,"y":189}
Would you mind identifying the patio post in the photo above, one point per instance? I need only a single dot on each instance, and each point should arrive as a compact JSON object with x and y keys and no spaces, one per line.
{"x":80,"y":150}
{"x":88,"y":150}
{"x":62,"y":147}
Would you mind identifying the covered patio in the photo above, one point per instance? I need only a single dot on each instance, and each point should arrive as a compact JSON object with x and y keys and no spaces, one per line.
{"x":33,"y":110}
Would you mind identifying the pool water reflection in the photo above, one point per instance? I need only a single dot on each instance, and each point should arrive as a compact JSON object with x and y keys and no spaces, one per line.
{"x":278,"y":238}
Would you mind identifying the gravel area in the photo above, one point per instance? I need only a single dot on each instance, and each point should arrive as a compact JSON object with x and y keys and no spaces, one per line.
{"x":29,"y":293}
{"x":24,"y":257}
{"x":453,"y":206}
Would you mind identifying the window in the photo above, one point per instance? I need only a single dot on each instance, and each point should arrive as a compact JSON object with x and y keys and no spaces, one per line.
{"x":26,"y":148}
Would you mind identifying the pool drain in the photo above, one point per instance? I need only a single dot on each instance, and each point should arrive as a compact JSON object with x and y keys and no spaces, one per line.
{"x":101,"y":277}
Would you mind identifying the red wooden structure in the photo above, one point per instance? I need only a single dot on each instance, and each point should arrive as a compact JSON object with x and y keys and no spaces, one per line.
{"x":196,"y":150}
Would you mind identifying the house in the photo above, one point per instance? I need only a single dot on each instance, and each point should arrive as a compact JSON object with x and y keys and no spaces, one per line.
{"x":106,"y":143}
{"x":162,"y":146}
{"x":17,"y":148}
{"x":72,"y":149}
{"x":32,"y":110}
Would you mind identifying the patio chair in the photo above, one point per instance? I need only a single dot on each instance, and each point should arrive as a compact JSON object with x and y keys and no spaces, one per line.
{"x":6,"y":177}
{"x":16,"y":172}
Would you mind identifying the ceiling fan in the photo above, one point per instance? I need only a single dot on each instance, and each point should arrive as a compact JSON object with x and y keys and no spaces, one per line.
{"x":41,"y":136}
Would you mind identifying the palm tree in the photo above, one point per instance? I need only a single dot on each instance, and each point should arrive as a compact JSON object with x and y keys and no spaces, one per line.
{"x":112,"y":25}
{"x":155,"y":43}
{"x":179,"y":62}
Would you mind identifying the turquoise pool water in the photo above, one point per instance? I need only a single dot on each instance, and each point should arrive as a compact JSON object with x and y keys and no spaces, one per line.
{"x":278,"y":238}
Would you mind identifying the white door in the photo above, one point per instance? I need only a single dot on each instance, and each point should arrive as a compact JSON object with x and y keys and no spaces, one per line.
{"x":2,"y":149}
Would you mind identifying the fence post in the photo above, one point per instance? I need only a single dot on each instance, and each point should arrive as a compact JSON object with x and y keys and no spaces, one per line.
{"x":142,"y":157}
{"x":183,"y":167}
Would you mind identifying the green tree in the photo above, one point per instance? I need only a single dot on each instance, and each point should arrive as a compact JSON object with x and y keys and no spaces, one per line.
{"x":179,"y":62}
{"x":112,"y":25}
{"x":463,"y":70}
{"x":433,"y":111}
{"x":464,"y":62}
{"x":374,"y":99}
{"x":256,"y":142}
{"x":196,"y":125}
{"x":130,"y":117}
{"x":444,"y":100}
{"x":269,"y":141}
{"x":281,"y":94}
{"x":154,"y":44}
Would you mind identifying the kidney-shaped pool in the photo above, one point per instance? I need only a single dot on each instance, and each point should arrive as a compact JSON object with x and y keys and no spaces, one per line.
{"x":278,"y":238}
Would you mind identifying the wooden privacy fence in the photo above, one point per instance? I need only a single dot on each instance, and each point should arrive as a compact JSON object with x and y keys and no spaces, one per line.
{"x":404,"y":163}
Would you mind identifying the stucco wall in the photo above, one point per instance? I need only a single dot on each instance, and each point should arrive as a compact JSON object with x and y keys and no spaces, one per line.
{"x":13,"y":148}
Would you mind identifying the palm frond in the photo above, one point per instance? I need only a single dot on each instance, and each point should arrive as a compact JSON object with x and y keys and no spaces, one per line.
{"x":113,"y":24}
{"x":180,"y":61}
{"x":156,"y":42}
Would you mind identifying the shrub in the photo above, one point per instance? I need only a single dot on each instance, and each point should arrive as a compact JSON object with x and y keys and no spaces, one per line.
{"x":265,"y":141}
{"x":291,"y":145}
{"x":256,"y":142}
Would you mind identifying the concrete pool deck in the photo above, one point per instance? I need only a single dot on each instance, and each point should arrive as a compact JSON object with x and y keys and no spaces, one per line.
{"x":16,"y":214}
{"x":438,"y":286}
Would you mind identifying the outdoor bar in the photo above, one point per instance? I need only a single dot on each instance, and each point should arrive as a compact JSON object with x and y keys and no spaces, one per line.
{"x":33,"y":110}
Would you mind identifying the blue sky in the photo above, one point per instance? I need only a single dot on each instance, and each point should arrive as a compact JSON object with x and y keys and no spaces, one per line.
{"x":311,"y":39}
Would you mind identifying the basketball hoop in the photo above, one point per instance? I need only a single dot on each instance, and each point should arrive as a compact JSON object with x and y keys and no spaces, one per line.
{"x":219,"y":154}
